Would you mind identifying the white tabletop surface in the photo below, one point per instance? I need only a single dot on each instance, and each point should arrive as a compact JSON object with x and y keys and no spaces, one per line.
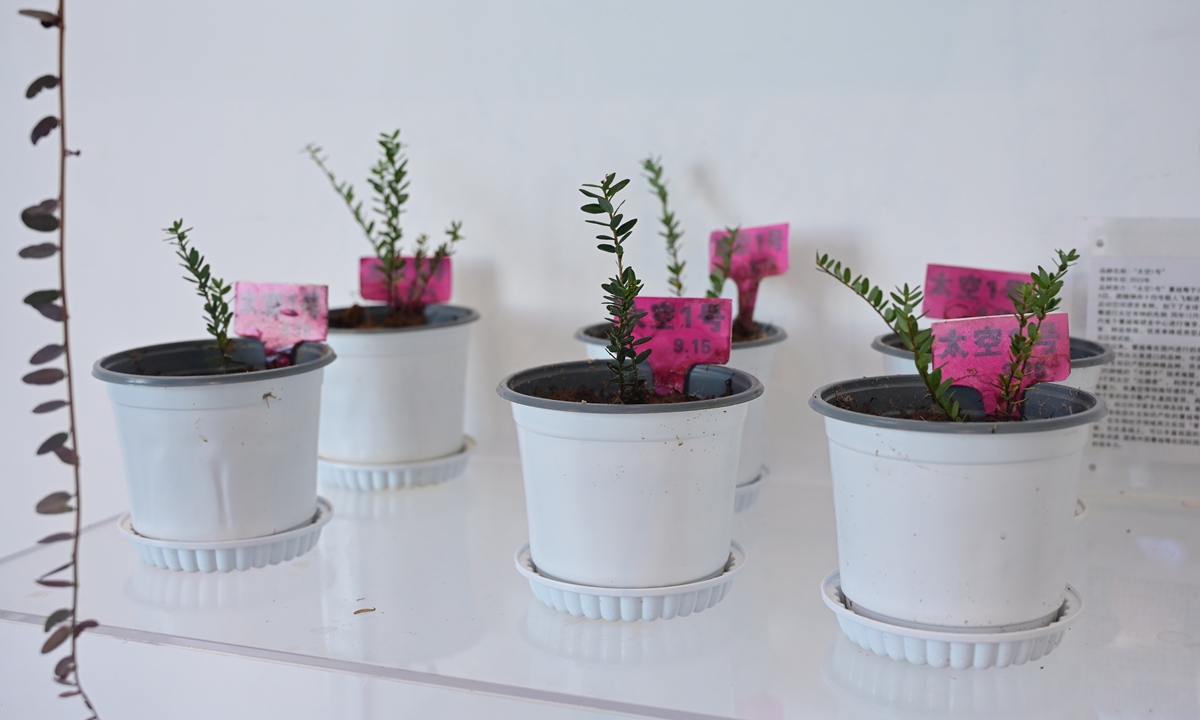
{"x":457,"y":631}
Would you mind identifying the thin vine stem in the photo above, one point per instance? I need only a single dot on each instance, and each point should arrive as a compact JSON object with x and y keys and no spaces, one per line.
{"x":62,"y":278}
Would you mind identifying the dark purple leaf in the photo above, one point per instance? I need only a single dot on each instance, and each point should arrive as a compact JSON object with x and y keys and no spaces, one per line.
{"x":45,"y":82}
{"x":64,"y":681}
{"x":50,"y":406}
{"x":56,"y":537}
{"x":52,"y":443}
{"x":67,"y":455}
{"x":55,"y":583}
{"x":45,"y":376}
{"x":46,"y":354}
{"x":55,"y":503}
{"x":60,"y":568}
{"x":86,"y":624}
{"x":43,"y":128}
{"x":47,"y":19}
{"x":55,"y":618}
{"x":69,"y":693}
{"x":50,"y":310}
{"x":49,"y":206}
{"x":41,"y":297}
{"x":58,"y":638}
{"x":37,"y":252}
{"x":40,"y":217}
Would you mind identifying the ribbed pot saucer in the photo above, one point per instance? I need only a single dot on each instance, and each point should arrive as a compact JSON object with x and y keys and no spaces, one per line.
{"x":392,"y":476}
{"x":950,"y":648}
{"x":630,"y":604}
{"x":746,"y":495}
{"x":226,"y":555}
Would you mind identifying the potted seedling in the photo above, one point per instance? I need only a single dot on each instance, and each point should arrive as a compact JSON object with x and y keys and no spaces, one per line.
{"x":955,"y":487}
{"x":393,"y":405}
{"x":630,"y":464}
{"x":745,"y":256}
{"x":219,"y":436}
{"x":959,"y":292}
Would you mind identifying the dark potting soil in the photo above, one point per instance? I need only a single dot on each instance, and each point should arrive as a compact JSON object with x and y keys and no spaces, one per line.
{"x":929,"y":414}
{"x":582,"y":394}
{"x":357,"y":318}
{"x":742,"y":333}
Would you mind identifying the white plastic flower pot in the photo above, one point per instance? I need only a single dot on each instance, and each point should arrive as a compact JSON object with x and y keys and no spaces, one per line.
{"x":629,"y":496}
{"x":756,"y":357}
{"x":397,"y":395}
{"x":212,"y":457}
{"x":954,"y":525}
{"x":1087,"y":359}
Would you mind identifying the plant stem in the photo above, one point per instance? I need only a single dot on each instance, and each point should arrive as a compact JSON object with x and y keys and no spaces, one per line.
{"x":622,"y":290}
{"x":898,"y":315}
{"x":212,"y":290}
{"x":670,"y":224}
{"x":720,"y":274}
{"x":1036,"y":299}
{"x":62,"y":279}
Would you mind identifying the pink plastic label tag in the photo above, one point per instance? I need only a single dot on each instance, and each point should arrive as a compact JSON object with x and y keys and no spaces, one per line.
{"x":960,"y":292}
{"x":373,"y":284}
{"x":281,"y":316}
{"x":758,"y":252}
{"x":683,"y":332}
{"x":974,"y":351}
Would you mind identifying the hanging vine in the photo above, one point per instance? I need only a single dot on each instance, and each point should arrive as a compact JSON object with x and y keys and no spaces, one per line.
{"x":63,"y":626}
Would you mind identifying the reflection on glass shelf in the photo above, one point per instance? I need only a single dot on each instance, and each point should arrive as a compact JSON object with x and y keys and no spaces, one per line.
{"x":426,"y":580}
{"x":220,"y":592}
{"x":624,"y":643}
{"x":870,"y":686}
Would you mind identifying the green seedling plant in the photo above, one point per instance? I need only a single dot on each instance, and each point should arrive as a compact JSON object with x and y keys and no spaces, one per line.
{"x":389,"y":181}
{"x":214,"y":291}
{"x":670,"y":224}
{"x":621,"y":291}
{"x":725,"y":247}
{"x":1032,"y":302}
{"x":412,"y":303}
{"x":899,"y":310}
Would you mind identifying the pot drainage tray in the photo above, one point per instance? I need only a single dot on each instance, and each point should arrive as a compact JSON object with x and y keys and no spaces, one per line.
{"x":953,"y":648}
{"x":630,"y":604}
{"x":226,"y":555}
{"x":746,"y":495}
{"x":392,"y":476}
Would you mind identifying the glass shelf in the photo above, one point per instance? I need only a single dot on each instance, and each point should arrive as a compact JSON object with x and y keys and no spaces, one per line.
{"x":451,"y":612}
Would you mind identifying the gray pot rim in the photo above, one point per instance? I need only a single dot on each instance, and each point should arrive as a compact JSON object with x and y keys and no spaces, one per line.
{"x":775,"y":334}
{"x":100,"y":372}
{"x":1102,"y":354}
{"x":820,"y":403}
{"x":471,"y":316}
{"x":504,"y":390}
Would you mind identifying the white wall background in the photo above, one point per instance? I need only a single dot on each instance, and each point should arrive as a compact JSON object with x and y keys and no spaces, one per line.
{"x":892,"y":134}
